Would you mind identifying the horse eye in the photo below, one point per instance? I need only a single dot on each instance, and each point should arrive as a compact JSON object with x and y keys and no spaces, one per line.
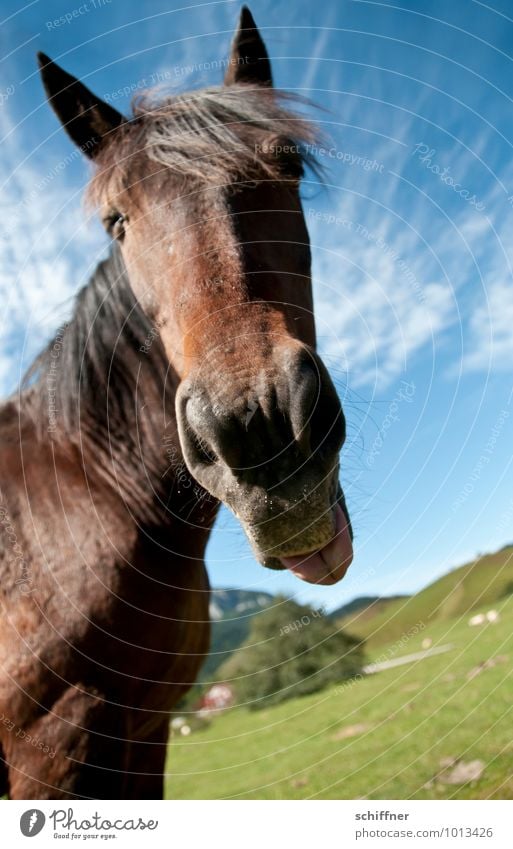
{"x":288,"y":155}
{"x":115,"y":225}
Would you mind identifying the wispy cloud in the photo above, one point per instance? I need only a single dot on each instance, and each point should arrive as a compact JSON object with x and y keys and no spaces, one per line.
{"x":490,"y":344}
{"x":375,"y":306}
{"x":402,"y":261}
{"x":45,"y":251}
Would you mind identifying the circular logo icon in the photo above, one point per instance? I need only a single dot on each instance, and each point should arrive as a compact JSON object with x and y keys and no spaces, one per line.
{"x":31,"y":822}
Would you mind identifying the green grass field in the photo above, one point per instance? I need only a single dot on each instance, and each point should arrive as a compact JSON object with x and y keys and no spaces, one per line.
{"x":382,"y":737}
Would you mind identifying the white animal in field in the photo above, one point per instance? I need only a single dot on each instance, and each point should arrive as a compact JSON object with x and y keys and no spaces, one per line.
{"x":478,"y":619}
{"x":481,"y":618}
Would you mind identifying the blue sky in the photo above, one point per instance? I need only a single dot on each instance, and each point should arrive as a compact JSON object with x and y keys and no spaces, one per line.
{"x":411,"y":238}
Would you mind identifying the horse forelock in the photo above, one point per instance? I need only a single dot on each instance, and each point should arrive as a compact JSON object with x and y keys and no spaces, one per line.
{"x":211,"y":137}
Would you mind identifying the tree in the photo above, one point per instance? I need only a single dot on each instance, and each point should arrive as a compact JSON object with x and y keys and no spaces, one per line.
{"x":291,"y":650}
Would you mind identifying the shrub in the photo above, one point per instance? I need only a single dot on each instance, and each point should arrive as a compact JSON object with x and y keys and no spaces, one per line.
{"x":291,"y":650}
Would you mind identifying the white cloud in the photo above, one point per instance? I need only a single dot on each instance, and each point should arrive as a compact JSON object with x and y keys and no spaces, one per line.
{"x":377,"y":303}
{"x":490,"y":345}
{"x":45,"y":252}
{"x":396,"y":272}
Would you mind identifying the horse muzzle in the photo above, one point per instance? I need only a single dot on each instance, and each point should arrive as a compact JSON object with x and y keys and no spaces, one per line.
{"x":267,"y":444}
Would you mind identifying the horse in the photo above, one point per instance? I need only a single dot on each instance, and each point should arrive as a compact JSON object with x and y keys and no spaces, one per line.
{"x":186,"y":377}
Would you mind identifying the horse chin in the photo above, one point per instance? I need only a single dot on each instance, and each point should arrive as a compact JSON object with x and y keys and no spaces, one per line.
{"x":323,"y":560}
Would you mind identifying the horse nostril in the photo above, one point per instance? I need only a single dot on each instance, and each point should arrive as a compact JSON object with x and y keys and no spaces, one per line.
{"x":209,"y":435}
{"x":202,"y":450}
{"x":195,"y":423}
{"x":315,"y":411}
{"x":304,"y":393}
{"x":327,"y":423}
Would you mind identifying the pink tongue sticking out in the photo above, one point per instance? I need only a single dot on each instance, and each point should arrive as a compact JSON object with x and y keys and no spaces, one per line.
{"x":329,"y":564}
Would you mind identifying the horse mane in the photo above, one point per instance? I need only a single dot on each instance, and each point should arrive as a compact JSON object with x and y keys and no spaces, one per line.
{"x":92,"y":381}
{"x":94,"y":358}
{"x":213,"y":136}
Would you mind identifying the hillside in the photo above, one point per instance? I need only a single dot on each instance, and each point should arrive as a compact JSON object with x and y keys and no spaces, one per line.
{"x":393,"y":735}
{"x":367,"y":605}
{"x":483,"y":581}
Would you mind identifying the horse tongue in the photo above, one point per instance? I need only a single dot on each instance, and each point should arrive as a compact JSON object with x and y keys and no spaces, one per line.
{"x":329,"y":564}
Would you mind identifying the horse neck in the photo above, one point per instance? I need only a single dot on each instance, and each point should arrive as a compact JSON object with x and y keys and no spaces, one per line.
{"x":105,"y":390}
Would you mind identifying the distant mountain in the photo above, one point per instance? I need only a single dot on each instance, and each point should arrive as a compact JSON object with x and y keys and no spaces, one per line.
{"x":231,"y":612}
{"x":236,"y":602}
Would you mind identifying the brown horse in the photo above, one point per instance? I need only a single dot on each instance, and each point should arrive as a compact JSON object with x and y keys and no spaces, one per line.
{"x":187,"y":376}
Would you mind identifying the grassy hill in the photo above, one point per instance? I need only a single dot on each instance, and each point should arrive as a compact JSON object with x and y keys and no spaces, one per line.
{"x":459,"y":593}
{"x":391,"y":735}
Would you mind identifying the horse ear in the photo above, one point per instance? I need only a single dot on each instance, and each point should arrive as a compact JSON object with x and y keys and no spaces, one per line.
{"x":87,"y":119}
{"x":249,"y":60}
